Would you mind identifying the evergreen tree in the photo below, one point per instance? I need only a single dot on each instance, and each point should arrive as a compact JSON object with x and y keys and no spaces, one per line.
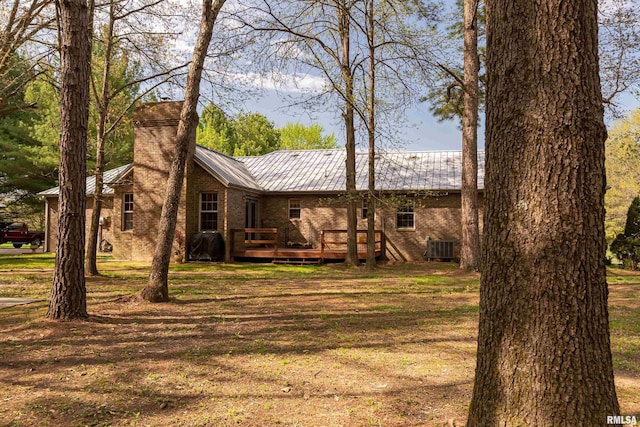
{"x":632,"y":226}
{"x":626,"y":246}
{"x":623,"y":171}
{"x":26,"y":165}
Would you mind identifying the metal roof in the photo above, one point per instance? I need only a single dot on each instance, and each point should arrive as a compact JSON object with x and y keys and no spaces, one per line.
{"x":227,"y":169}
{"x":324,"y":170}
{"x":110,"y":177}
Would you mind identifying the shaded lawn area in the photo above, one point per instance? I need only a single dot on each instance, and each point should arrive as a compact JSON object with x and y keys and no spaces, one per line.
{"x":258,"y":345}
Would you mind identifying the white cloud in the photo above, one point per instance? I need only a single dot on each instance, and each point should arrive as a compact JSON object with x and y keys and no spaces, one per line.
{"x":290,"y":83}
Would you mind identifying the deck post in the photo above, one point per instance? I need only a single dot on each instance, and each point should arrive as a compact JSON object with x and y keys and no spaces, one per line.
{"x":321,"y":246}
{"x":275,"y":243}
{"x":232,"y":237}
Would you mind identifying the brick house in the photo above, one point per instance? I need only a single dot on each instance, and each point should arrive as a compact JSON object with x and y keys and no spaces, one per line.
{"x":299,"y":193}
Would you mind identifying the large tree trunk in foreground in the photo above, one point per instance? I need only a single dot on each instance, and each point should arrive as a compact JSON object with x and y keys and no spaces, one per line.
{"x":544,"y":355}
{"x":157,"y":289}
{"x":68,"y":292}
{"x":470,"y":245}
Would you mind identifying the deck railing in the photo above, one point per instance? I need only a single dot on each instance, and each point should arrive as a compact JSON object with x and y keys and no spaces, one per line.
{"x":254,"y":236}
{"x":332,"y":244}
{"x":327,"y":244}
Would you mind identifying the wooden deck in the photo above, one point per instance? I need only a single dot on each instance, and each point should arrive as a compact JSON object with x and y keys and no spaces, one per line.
{"x":255,"y":245}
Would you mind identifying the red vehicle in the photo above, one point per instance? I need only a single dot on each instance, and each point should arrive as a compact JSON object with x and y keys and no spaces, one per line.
{"x":18,"y":234}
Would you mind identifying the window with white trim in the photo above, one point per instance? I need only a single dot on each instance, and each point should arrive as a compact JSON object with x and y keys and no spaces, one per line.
{"x":405,"y":219}
{"x":208,"y":211}
{"x":127,"y":211}
{"x":294,"y":209}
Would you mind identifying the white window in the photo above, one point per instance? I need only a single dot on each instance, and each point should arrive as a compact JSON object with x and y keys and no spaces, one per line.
{"x":405,"y":215}
{"x":294,"y":208}
{"x":365,"y":208}
{"x":127,"y":212}
{"x":208,"y":211}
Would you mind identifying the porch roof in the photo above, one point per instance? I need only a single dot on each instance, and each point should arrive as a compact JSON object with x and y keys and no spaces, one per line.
{"x":227,"y":169}
{"x":110,"y":177}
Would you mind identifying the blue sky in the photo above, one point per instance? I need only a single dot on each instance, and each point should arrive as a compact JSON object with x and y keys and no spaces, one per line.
{"x":421,"y":132}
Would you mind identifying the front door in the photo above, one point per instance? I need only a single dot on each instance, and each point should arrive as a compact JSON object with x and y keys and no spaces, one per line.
{"x":251,"y":216}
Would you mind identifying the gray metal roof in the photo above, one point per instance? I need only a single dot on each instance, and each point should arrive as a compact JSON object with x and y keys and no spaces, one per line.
{"x":227,"y":169}
{"x":321,"y":171}
{"x":324,"y":170}
{"x":110,"y":177}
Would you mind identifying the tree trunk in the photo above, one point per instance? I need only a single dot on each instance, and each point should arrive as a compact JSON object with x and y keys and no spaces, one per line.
{"x":371,"y":130}
{"x":470,"y":244}
{"x":352,"y":193}
{"x":68,"y":292}
{"x":157,"y":289}
{"x":544,"y":356}
{"x":102,"y":100}
{"x":92,"y":243}
{"x":344,"y":26}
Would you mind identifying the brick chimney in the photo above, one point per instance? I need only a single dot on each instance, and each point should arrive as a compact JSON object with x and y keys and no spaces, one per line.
{"x":155,"y":128}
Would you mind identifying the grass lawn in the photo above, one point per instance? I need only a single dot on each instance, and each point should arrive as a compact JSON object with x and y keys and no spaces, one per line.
{"x":261,"y":345}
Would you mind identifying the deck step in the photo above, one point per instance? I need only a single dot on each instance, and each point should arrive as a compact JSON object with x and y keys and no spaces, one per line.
{"x":296,"y":261}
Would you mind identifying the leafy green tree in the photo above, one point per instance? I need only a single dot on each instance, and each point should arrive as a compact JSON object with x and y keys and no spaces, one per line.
{"x":215,"y":130}
{"x":255,"y":135}
{"x":246,"y":134}
{"x":23,"y":22}
{"x":296,"y":136}
{"x":623,"y":171}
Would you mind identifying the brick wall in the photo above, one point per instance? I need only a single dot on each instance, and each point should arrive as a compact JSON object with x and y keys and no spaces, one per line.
{"x":51,"y":226}
{"x":316,"y":213}
{"x":155,"y":127}
{"x":236,"y":214}
{"x":200,"y":181}
{"x":435,"y":217}
{"x":121,"y":239}
{"x":51,"y":238}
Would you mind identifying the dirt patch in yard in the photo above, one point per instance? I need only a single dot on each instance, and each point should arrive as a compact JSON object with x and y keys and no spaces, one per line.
{"x":257,"y":345}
